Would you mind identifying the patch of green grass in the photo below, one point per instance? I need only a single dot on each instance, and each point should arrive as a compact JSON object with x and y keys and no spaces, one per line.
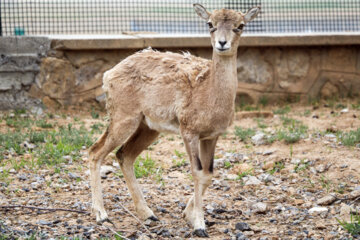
{"x":227,"y":165}
{"x":19,"y":111}
{"x":171,"y":138}
{"x":250,"y":108}
{"x":11,"y":141}
{"x":340,"y":106}
{"x":4,"y":177}
{"x":244,"y":134}
{"x":43,"y":124}
{"x":352,"y":227}
{"x":244,"y":174}
{"x":97,"y":127}
{"x":307,"y":113}
{"x":65,"y":141}
{"x":325,"y":183}
{"x":179,"y":154}
{"x":302,"y":166}
{"x":18,"y":123}
{"x":37,"y":137}
{"x":350,"y":138}
{"x":277,"y":168}
{"x":264,"y":101}
{"x":292,"y":133}
{"x":144,"y":166}
{"x":286,"y":121}
{"x":282,"y":110}
{"x":94,"y":114}
{"x":179,"y":163}
{"x":260,"y":123}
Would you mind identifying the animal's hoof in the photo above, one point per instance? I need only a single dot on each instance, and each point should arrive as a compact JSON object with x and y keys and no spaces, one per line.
{"x":100,"y":222}
{"x":153,"y":218}
{"x":200,"y":233}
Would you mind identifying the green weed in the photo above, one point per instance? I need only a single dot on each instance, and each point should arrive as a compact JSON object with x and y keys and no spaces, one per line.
{"x":260,"y":123}
{"x":227,"y":165}
{"x":179,"y":163}
{"x":144,"y":166}
{"x":325,"y":183}
{"x":94,"y":114}
{"x":179,"y":154}
{"x":292,"y":133}
{"x":282,"y":110}
{"x":244,"y":174}
{"x":264,"y":100}
{"x":244,"y":134}
{"x":302,"y":166}
{"x":350,"y":138}
{"x":352,"y":227}
{"x":307,"y":113}
{"x":97,"y":127}
{"x":277,"y":167}
{"x":43,"y":124}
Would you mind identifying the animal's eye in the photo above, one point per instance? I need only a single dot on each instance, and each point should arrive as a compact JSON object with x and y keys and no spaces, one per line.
{"x":211,"y":27}
{"x":239,"y":28}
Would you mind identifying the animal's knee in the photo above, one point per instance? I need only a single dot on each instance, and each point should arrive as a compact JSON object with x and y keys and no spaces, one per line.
{"x":203,"y":177}
{"x":120,"y":155}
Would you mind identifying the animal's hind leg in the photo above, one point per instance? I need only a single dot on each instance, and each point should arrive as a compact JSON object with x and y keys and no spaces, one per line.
{"x":115,"y":135}
{"x":126,"y":155}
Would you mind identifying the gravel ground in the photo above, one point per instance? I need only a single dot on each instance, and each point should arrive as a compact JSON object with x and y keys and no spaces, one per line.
{"x":262,"y":189}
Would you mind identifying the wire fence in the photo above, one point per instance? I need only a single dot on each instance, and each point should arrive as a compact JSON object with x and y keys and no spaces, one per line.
{"x":49,"y":17}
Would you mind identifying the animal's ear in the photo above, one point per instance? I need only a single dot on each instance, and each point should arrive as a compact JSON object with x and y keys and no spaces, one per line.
{"x":252,"y":13}
{"x":201,"y":11}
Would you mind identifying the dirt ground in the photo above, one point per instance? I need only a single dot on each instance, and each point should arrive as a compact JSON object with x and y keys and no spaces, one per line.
{"x":260,"y":190}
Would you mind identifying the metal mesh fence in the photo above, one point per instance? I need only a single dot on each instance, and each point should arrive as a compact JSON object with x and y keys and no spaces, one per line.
{"x":48,"y":17}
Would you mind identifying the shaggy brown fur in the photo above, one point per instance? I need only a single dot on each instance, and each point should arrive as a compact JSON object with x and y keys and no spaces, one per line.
{"x":151,"y":92}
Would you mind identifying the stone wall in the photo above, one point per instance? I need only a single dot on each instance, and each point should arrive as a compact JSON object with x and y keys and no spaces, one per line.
{"x":299,"y":73}
{"x":20,"y":60}
{"x":62,"y":76}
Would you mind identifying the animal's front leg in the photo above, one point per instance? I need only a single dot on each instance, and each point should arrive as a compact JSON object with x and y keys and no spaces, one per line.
{"x":201,"y":167}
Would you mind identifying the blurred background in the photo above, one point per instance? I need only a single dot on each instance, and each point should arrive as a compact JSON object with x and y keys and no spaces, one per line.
{"x":293,"y":51}
{"x":43,"y":17}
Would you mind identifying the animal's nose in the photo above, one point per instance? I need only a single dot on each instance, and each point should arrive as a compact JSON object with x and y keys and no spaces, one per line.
{"x":222,"y":43}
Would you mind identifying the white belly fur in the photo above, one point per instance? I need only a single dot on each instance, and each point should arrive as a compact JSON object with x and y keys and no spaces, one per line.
{"x":168,"y":127}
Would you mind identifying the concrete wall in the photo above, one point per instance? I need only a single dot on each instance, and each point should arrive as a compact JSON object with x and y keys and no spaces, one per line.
{"x":65,"y":71}
{"x":20,"y":60}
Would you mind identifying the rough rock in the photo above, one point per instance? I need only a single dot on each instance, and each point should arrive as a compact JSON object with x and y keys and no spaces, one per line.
{"x":326,"y":200}
{"x":242,"y":226}
{"x":268,"y":165}
{"x":345,"y":212}
{"x":232,"y":176}
{"x":242,"y":168}
{"x":258,"y":139}
{"x":105,"y":170}
{"x":259,"y":207}
{"x":354,"y":194}
{"x":252,"y":180}
{"x":345,"y":110}
{"x":318,"y":210}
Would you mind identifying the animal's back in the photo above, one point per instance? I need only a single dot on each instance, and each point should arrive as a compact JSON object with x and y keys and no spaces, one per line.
{"x":158,"y":72}
{"x":152,"y":66}
{"x":156,"y":83}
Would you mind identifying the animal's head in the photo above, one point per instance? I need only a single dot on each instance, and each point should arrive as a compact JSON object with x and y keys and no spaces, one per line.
{"x":226,"y":26}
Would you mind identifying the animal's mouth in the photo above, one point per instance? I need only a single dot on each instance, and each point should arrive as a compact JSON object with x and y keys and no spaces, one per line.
{"x":222,"y":49}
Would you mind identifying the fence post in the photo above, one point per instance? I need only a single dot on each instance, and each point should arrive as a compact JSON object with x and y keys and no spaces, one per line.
{"x":0,"y":21}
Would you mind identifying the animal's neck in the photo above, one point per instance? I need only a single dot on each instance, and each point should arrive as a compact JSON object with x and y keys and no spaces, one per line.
{"x":225,"y":74}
